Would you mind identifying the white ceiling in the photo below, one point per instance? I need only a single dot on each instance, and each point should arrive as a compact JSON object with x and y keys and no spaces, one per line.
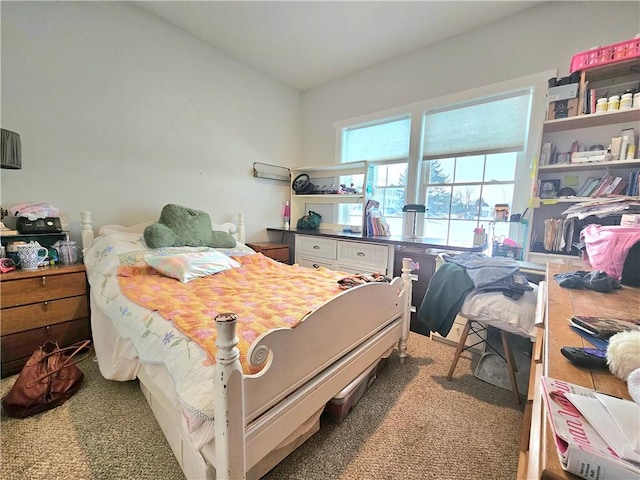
{"x":307,"y":43}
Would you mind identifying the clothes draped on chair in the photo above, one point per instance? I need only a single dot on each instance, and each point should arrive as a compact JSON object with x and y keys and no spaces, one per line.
{"x":458,"y":276}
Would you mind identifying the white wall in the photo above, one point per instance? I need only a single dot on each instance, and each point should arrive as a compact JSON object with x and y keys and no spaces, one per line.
{"x":120,"y":112}
{"x":536,"y":40}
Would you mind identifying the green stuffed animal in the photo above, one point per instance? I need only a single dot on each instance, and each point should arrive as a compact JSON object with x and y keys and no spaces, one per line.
{"x":180,"y":226}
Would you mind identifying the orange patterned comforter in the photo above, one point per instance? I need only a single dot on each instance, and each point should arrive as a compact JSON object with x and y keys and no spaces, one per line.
{"x":264,"y":294}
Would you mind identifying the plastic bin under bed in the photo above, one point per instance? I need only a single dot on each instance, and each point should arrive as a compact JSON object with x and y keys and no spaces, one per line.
{"x":339,"y":406}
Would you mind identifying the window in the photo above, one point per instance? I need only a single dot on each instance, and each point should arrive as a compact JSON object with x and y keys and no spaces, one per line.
{"x":386,"y":143}
{"x":470,"y":157}
{"x":459,"y":155}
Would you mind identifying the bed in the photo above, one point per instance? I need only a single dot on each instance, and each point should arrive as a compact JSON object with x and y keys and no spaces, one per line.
{"x":270,"y":389}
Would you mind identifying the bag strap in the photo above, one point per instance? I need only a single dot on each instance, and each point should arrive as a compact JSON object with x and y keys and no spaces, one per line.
{"x":76,"y":347}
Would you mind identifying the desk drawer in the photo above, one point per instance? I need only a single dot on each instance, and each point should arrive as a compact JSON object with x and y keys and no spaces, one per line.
{"x":316,"y":247}
{"x":42,"y":288}
{"x":355,"y":253}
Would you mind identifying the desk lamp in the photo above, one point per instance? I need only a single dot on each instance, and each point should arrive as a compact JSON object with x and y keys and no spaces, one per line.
{"x":415,"y":209}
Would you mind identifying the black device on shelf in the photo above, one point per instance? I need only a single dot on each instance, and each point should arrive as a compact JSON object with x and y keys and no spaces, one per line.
{"x":39,"y":225}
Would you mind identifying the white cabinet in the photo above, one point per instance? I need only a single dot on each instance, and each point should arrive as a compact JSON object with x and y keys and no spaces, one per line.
{"x":343,"y":255}
{"x":589,"y":131}
{"x":323,"y":199}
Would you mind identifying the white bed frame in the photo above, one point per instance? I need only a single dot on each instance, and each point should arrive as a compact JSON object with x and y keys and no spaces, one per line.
{"x":279,"y":407}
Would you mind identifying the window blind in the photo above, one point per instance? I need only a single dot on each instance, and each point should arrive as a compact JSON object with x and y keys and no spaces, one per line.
{"x":494,"y":125}
{"x":386,"y":140}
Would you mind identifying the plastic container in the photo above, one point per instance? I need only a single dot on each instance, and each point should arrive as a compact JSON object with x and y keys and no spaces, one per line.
{"x":613,"y":53}
{"x":67,"y":251}
{"x":613,"y":103}
{"x":601,"y":105}
{"x":623,"y":149}
{"x":626,"y":101}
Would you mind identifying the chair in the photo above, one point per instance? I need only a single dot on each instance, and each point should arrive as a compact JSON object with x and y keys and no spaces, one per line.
{"x":477,"y":327}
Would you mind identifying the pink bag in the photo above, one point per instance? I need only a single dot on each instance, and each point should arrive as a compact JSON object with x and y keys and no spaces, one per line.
{"x":607,"y":246}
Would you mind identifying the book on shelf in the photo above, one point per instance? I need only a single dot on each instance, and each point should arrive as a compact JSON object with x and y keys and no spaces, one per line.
{"x":604,"y":327}
{"x":596,"y":435}
{"x":633,"y":188}
{"x":605,"y":181}
{"x":587,"y":187}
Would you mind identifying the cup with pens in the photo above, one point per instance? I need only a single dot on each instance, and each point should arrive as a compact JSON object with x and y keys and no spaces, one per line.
{"x":479,"y":236}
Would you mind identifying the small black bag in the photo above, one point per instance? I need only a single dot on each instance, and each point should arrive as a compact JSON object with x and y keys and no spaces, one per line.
{"x":310,"y":221}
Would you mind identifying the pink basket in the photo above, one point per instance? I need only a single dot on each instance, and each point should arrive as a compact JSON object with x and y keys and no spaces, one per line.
{"x":605,"y":55}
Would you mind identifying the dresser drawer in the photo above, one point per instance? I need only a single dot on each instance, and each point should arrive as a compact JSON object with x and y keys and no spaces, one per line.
{"x":370,"y":255}
{"x":315,"y":263}
{"x":342,"y":267}
{"x":17,"y":348}
{"x":41,"y":288}
{"x":27,"y":317}
{"x":316,"y":247}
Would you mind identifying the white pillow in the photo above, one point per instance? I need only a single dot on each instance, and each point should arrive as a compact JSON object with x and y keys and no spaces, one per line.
{"x":187,"y":266}
{"x":500,"y":311}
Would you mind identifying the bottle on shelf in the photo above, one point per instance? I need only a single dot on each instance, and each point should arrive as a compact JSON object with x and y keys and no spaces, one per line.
{"x":286,"y":214}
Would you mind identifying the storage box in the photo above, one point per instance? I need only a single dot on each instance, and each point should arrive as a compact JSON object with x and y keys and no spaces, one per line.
{"x":563,"y":92}
{"x":563,"y":109}
{"x":339,"y":406}
{"x":630,"y":220}
{"x":597,"y":57}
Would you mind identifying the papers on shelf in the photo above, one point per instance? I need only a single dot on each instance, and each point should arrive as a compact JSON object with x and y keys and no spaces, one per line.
{"x":603,"y":207}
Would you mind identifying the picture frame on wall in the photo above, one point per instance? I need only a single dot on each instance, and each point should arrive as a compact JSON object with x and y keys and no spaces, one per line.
{"x":549,"y":188}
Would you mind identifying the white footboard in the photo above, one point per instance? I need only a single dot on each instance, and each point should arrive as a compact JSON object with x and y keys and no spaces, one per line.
{"x":305,"y":367}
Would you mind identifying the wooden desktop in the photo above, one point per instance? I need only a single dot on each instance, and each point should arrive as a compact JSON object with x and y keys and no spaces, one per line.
{"x":538,"y":454}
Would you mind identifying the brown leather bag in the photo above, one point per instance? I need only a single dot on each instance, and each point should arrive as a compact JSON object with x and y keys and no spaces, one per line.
{"x":49,"y":378}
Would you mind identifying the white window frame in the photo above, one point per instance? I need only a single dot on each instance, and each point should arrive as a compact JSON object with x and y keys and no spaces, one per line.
{"x":525,"y":167}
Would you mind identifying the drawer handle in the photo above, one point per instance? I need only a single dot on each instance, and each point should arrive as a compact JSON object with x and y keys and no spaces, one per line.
{"x":45,"y":306}
{"x":43,"y":280}
{"x":316,"y":247}
{"x":360,"y":254}
{"x":315,"y":265}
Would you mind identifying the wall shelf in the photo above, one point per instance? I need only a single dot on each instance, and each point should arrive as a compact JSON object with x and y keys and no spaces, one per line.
{"x":581,"y":167}
{"x":592,"y":120}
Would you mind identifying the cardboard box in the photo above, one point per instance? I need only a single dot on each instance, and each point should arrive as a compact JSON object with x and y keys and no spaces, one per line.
{"x":562,"y":109}
{"x":563,"y":92}
{"x":630,"y":220}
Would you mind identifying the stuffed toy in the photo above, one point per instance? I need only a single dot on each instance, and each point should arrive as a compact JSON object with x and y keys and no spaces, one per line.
{"x":180,"y":226}
{"x":623,"y":359}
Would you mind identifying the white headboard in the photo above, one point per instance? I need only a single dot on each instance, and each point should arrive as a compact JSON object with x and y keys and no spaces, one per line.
{"x":86,"y":229}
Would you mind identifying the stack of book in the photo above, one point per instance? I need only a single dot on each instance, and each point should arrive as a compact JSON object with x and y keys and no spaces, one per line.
{"x":375,"y":224}
{"x":596,"y":435}
{"x":599,"y":187}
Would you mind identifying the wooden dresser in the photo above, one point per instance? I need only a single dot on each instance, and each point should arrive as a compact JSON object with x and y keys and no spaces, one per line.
{"x":538,"y":455}
{"x":50,"y":303}
{"x":277,"y":251}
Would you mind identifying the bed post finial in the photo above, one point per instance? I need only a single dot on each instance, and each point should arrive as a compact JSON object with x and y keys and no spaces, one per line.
{"x":407,"y":286}
{"x":229,"y":402}
{"x":86,"y":231}
{"x":241,"y":231}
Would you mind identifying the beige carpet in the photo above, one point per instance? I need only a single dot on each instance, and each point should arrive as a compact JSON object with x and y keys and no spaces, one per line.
{"x":411,"y":424}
